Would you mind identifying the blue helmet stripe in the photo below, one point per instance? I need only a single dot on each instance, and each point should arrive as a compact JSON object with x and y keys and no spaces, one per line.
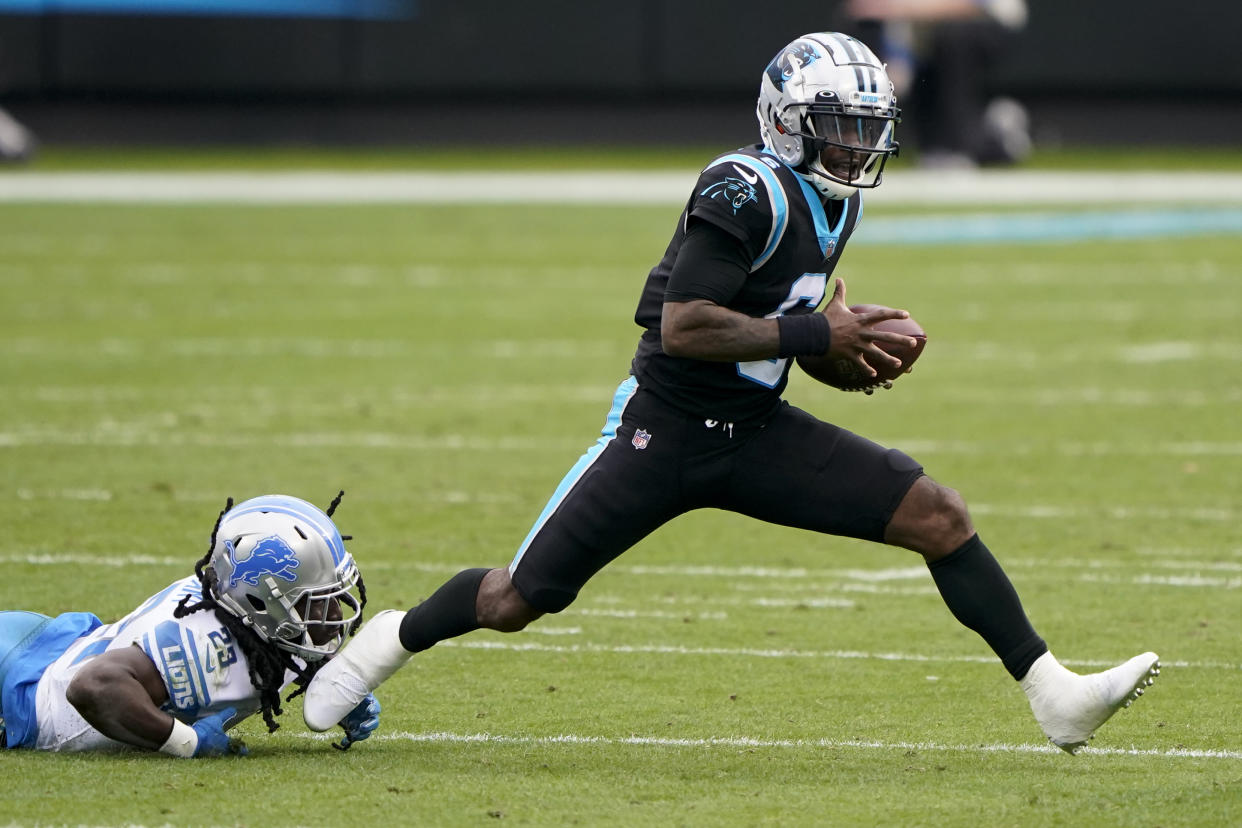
{"x":297,"y":508}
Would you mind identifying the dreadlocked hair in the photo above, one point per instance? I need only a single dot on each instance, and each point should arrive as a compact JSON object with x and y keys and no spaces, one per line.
{"x":266,"y":662}
{"x":362,"y":587}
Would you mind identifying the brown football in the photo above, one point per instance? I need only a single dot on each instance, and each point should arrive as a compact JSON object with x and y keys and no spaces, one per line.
{"x":849,"y":376}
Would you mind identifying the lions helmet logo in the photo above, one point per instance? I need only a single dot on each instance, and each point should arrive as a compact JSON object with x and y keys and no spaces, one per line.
{"x":270,"y":556}
{"x":799,"y":54}
{"x":733,"y":190}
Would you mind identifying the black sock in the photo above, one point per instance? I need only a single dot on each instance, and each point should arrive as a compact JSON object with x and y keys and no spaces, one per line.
{"x":448,"y":613}
{"x":979,"y":595}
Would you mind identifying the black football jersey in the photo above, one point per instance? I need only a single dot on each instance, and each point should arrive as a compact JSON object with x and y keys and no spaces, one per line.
{"x":793,"y":244}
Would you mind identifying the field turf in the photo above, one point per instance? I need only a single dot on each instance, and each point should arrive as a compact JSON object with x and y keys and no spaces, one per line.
{"x":445,"y":365}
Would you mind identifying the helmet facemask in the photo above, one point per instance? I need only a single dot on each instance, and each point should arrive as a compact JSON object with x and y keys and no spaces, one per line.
{"x":848,"y":149}
{"x":313,"y":623}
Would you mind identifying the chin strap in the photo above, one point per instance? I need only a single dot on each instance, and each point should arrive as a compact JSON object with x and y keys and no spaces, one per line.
{"x":824,"y":185}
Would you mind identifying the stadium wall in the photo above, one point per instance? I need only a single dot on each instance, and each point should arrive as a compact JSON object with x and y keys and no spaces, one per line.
{"x":668,"y":53}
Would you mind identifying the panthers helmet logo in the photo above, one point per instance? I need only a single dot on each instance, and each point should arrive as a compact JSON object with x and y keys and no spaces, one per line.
{"x":733,"y":190}
{"x":782,"y":67}
{"x":270,"y":556}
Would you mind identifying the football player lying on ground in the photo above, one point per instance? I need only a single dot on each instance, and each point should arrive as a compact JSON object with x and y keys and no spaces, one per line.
{"x":700,"y":422}
{"x":274,"y":597}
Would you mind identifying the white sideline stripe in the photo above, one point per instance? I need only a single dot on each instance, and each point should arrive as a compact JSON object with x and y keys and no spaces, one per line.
{"x":848,"y":580}
{"x":627,"y":613}
{"x":440,"y":496}
{"x":840,"y":655}
{"x":120,"y":347}
{"x":898,"y":574}
{"x":267,"y":401}
{"x":1191,"y":578}
{"x":749,"y":742}
{"x":612,"y":187}
{"x":155,"y":431}
{"x":795,"y":573}
{"x":1115,"y":512}
{"x":1164,"y":580}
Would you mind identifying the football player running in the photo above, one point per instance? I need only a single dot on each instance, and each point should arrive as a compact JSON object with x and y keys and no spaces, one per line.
{"x":700,"y":422}
{"x":275,"y":596}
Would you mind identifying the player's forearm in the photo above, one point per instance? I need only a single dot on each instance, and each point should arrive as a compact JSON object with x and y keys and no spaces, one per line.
{"x":120,"y":708}
{"x":707,"y":331}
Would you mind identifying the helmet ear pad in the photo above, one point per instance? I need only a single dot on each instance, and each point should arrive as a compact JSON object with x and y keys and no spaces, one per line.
{"x":785,"y":143}
{"x":800,"y":154}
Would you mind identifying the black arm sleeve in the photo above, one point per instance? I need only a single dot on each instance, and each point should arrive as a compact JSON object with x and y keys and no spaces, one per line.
{"x":711,"y":264}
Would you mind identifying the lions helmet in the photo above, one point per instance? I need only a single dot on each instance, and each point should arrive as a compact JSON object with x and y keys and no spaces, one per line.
{"x":827,"y":96}
{"x":281,"y":567}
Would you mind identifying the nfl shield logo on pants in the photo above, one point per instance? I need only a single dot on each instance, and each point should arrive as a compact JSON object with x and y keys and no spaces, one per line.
{"x":641,"y":438}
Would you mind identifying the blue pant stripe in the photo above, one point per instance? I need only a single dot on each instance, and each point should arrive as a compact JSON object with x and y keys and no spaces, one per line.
{"x":624,"y":392}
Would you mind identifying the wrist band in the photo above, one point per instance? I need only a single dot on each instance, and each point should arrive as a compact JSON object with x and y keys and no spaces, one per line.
{"x":182,"y":742}
{"x":805,"y":335}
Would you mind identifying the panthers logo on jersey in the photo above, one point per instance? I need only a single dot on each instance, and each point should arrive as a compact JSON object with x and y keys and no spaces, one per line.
{"x":270,"y":556}
{"x":733,"y":190}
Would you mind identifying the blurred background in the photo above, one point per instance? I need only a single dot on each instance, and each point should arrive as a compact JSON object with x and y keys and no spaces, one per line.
{"x":458,"y":73}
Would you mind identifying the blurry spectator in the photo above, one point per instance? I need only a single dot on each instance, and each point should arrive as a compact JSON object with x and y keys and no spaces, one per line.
{"x":940,"y":54}
{"x":17,"y":143}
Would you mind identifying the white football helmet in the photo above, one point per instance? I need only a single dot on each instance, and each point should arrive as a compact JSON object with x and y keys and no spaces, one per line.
{"x":826,"y":97}
{"x":281,"y":567}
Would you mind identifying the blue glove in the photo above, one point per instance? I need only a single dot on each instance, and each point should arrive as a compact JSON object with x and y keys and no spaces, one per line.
{"x":213,"y":741}
{"x":360,"y":722}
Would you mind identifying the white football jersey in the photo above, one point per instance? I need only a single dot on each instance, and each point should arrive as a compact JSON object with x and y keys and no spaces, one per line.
{"x":202,"y":666}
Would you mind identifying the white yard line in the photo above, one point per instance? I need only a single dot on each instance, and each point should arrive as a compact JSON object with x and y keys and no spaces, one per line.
{"x":134,"y":348}
{"x":743,"y":742}
{"x":763,"y":579}
{"x":519,"y":646}
{"x":160,"y":432}
{"x":616,"y":187}
{"x":269,"y":400}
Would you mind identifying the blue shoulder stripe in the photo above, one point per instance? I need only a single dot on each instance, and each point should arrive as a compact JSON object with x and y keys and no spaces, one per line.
{"x":776,"y":197}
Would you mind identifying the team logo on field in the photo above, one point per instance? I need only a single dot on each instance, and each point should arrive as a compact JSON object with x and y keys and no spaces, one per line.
{"x":270,"y":556}
{"x":736,"y":191}
{"x":641,"y":439}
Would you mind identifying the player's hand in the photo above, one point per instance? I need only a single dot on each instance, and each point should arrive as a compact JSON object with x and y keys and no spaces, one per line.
{"x":360,"y":722}
{"x":854,"y":336}
{"x":213,"y":741}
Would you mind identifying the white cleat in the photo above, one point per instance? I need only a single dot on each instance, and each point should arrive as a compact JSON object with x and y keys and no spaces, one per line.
{"x":1070,"y":707}
{"x":373,"y":655}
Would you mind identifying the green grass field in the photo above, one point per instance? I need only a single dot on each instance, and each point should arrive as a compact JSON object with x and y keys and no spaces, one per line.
{"x":445,"y":365}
